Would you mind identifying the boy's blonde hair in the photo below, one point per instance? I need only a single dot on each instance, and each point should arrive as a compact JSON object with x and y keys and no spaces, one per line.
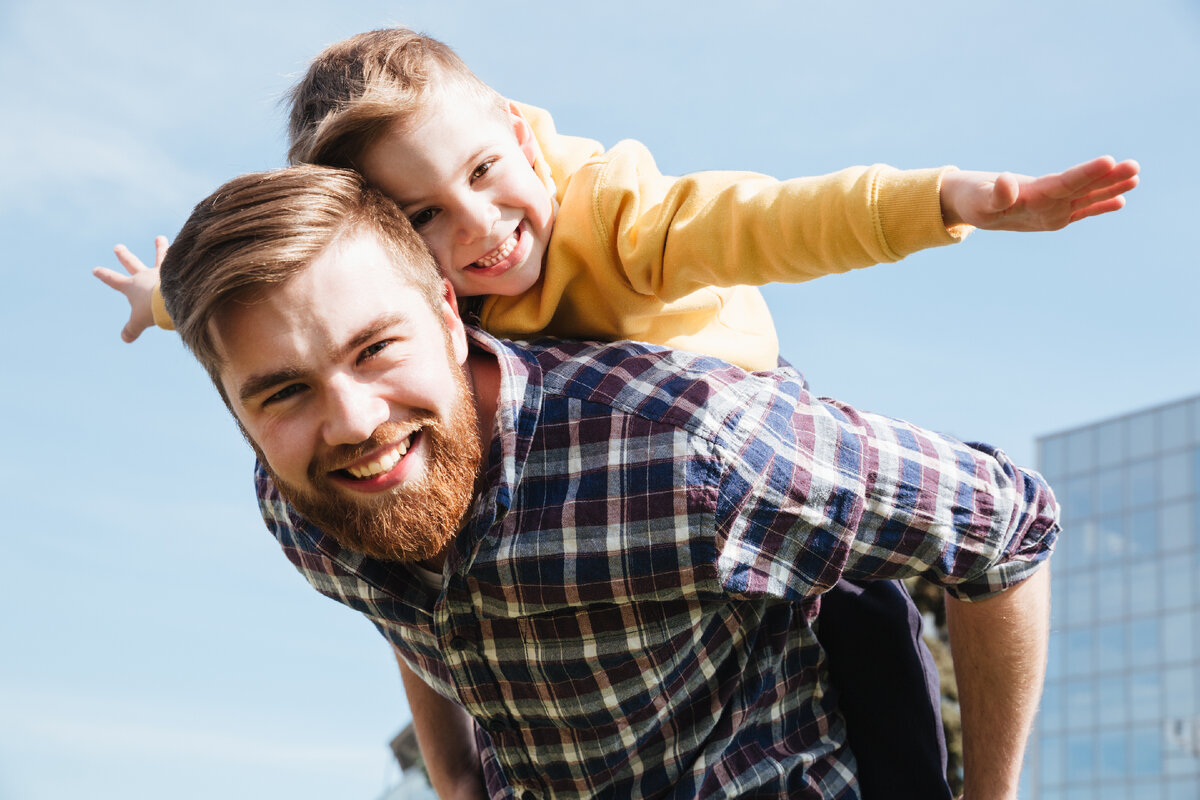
{"x":357,"y":89}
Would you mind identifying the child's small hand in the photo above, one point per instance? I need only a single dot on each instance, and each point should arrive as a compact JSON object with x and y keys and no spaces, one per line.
{"x":137,"y":286}
{"x":1007,"y":202}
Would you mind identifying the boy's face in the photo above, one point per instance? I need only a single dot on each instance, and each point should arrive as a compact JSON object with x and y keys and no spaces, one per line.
{"x":463,"y":174}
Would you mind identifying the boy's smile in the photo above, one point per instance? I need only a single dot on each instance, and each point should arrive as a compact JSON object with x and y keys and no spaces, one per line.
{"x":512,"y":251}
{"x":463,"y":174}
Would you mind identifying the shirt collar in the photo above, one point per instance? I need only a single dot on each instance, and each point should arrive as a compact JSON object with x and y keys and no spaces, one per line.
{"x":518,"y":412}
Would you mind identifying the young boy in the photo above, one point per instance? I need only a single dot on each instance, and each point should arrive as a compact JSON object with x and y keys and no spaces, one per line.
{"x":555,"y":235}
{"x":633,"y":254}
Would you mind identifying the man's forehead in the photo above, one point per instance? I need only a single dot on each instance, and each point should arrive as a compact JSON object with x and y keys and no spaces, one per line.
{"x":349,"y":291}
{"x":356,"y":265}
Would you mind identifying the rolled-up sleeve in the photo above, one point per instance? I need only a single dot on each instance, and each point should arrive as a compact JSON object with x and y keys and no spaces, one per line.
{"x":815,"y":490}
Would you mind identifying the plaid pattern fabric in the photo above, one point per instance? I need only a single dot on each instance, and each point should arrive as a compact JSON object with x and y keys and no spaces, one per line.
{"x":627,"y":610}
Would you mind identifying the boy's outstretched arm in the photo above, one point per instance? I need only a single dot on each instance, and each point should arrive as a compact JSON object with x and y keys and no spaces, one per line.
{"x":137,"y":286}
{"x":1002,"y":201}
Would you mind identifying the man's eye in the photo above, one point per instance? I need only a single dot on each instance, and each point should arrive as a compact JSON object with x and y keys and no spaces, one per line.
{"x":482,"y":169}
{"x":423,"y":217}
{"x":291,"y":390}
{"x":373,"y":350}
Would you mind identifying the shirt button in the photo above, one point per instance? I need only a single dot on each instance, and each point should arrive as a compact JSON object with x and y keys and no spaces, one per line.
{"x":459,"y":643}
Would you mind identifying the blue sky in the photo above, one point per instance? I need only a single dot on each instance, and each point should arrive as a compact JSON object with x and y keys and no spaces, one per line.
{"x":155,"y":642}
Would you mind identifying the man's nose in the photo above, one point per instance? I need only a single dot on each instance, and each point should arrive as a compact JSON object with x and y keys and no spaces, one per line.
{"x":353,"y":412}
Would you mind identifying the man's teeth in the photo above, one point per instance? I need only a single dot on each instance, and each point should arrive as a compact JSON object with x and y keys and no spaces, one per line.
{"x":500,"y":253}
{"x":382,"y":464}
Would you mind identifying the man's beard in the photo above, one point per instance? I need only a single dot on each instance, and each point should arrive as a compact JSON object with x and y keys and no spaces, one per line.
{"x":411,"y":522}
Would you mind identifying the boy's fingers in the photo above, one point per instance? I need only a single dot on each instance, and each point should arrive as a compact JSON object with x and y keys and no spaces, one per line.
{"x":1103,"y":171}
{"x":1107,"y":192}
{"x":1080,"y":176}
{"x":112,"y":279}
{"x":128,"y":260}
{"x":1113,"y":204}
{"x":1127,"y":169}
{"x":1123,"y":173}
{"x":160,"y":250}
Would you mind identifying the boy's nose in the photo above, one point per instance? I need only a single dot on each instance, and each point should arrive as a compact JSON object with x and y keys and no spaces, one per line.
{"x":476,"y":219}
{"x":353,"y":413}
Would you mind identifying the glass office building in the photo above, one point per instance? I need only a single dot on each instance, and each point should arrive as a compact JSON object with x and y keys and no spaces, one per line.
{"x":1120,"y":717}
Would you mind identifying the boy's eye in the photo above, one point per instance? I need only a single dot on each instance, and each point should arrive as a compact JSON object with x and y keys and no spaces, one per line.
{"x":423,"y":217}
{"x":482,"y":169}
{"x":291,"y":390}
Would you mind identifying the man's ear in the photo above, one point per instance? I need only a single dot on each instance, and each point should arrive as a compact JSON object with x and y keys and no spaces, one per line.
{"x":453,"y":322}
{"x":524,"y":133}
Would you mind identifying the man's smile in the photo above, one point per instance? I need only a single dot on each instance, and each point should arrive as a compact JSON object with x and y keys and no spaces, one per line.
{"x":383,"y":469}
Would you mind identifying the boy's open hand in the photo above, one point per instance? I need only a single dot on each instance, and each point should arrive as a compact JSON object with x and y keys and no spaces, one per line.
{"x":1007,"y":202}
{"x":137,"y":286}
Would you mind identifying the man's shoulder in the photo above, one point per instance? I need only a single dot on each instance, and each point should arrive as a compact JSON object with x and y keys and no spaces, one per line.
{"x":689,"y":390}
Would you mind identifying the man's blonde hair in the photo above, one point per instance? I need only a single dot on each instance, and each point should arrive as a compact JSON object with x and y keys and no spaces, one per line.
{"x":359,"y":88}
{"x":261,"y":229}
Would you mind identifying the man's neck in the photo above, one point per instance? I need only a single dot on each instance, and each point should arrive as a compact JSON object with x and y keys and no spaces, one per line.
{"x":483,"y":378}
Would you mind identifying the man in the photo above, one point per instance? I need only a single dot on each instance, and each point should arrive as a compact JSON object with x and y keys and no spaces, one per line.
{"x":598,"y":564}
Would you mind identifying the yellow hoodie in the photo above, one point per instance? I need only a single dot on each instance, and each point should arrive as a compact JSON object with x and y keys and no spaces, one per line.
{"x":638,"y":255}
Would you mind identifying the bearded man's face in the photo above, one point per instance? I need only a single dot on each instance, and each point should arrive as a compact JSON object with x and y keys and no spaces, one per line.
{"x":351,"y":389}
{"x":409,"y":522}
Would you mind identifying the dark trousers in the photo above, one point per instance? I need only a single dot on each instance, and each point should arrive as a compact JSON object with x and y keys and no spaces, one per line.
{"x":887,"y":688}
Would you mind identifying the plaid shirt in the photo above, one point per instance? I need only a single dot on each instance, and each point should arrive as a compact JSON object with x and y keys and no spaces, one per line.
{"x":628,"y":609}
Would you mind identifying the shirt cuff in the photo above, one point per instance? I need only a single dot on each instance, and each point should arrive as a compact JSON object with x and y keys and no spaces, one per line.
{"x":159,"y":308}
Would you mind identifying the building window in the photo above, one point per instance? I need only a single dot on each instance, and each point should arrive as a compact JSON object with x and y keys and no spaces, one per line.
{"x":1143,"y":438}
{"x":1173,"y":427}
{"x":1145,"y":696}
{"x":1120,"y":716}
{"x":1110,"y":443}
{"x":1146,"y":753}
{"x":1081,"y":757}
{"x":1143,"y":531}
{"x":1175,"y":476}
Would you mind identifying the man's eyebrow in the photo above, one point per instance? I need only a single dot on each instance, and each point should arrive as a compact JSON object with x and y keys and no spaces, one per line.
{"x":257,"y":384}
{"x":373,"y":329}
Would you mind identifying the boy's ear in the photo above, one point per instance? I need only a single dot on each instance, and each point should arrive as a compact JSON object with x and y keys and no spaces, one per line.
{"x":453,"y":322}
{"x":525,"y":138}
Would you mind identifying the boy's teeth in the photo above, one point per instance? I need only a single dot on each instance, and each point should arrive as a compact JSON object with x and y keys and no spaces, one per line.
{"x":382,"y":464}
{"x":500,"y":253}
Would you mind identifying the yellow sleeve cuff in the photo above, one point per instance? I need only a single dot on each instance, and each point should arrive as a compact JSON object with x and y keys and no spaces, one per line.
{"x":159,"y":308}
{"x":910,"y":211}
